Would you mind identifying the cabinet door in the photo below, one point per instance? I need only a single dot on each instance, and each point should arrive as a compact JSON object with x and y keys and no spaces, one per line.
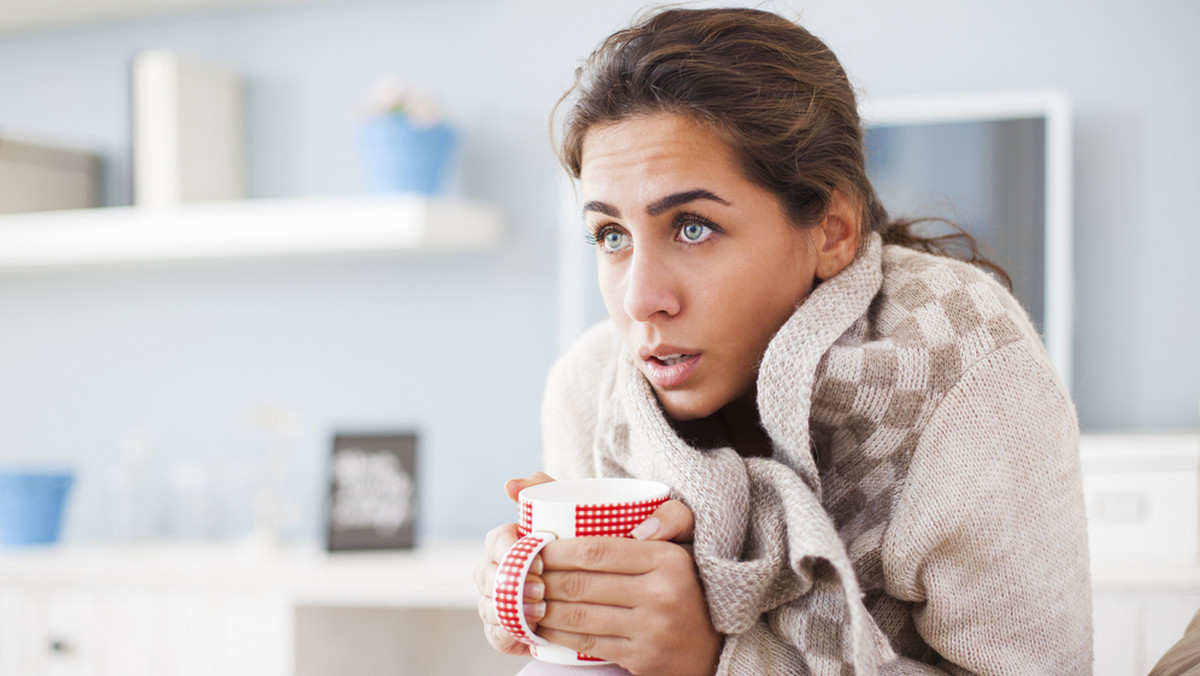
{"x":132,"y":636}
{"x":1116,"y":636}
{"x":1163,"y":621}
{"x":20,"y":632}
{"x":47,"y":632}
{"x":134,"y":631}
{"x":192,"y":633}
{"x":68,"y":641}
{"x":253,"y":635}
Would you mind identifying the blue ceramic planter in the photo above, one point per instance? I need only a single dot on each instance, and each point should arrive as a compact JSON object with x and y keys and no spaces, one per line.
{"x":31,"y":506}
{"x":401,"y":157}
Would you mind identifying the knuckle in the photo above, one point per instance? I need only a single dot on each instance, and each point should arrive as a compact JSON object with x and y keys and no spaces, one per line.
{"x":587,"y":643}
{"x":499,"y":539}
{"x":487,"y":610}
{"x":575,"y":585}
{"x":575,"y":616}
{"x":495,"y":635}
{"x":499,"y":639}
{"x":658,"y":626}
{"x":665,"y":596}
{"x":592,"y":551}
{"x":676,"y":560}
{"x":484,"y":573}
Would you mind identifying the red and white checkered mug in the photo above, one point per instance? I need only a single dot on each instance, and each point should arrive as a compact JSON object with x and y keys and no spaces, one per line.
{"x":566,"y":509}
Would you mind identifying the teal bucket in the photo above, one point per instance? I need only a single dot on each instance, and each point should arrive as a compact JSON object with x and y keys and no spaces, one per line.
{"x":31,"y":506}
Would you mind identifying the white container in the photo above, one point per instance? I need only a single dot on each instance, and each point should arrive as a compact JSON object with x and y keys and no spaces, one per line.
{"x":37,"y":177}
{"x":188,"y":130}
{"x":1143,"y":497}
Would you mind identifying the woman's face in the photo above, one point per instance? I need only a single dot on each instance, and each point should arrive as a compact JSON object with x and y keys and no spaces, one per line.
{"x":699,"y":267}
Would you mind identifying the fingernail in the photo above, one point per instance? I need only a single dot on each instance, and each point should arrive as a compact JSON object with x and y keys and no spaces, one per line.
{"x":535,"y":610}
{"x":535,"y":568}
{"x":535,"y":590}
{"x":646,"y":529}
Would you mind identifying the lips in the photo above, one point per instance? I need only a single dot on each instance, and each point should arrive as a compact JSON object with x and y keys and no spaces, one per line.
{"x":667,"y":369}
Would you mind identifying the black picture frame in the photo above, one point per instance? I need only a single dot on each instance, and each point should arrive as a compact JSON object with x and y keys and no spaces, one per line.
{"x":372,"y":491}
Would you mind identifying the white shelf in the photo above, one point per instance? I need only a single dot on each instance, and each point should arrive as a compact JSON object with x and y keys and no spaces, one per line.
{"x":246,"y":229}
{"x":436,"y":575}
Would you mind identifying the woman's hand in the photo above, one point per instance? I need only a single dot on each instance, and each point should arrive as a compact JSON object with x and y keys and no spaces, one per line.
{"x":498,"y":542}
{"x":636,"y":602}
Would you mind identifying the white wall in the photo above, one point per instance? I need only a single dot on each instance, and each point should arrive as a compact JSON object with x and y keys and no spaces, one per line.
{"x":458,"y":346}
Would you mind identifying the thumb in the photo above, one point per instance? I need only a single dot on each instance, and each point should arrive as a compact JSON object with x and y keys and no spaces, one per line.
{"x":514,"y":486}
{"x":672,"y":521}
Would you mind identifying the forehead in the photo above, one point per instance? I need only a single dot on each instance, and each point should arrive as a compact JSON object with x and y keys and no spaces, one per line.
{"x":654,"y":152}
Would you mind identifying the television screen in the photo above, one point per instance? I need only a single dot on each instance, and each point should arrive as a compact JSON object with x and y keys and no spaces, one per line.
{"x":998,"y":167}
{"x":985,"y":177}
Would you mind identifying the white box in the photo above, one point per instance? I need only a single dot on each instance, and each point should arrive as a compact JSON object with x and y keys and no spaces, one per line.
{"x":37,"y":177}
{"x":188,"y":138}
{"x":1143,"y":497}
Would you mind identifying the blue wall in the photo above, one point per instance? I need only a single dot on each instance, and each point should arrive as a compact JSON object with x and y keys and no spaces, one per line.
{"x":457,"y":346}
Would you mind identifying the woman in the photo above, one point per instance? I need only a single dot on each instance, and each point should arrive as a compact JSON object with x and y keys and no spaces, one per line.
{"x":876,"y":466}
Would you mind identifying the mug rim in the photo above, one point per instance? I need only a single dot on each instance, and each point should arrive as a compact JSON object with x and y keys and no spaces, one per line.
{"x":595,"y":491}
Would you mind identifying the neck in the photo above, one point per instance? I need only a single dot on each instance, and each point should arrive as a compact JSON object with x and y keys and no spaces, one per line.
{"x":737,"y":425}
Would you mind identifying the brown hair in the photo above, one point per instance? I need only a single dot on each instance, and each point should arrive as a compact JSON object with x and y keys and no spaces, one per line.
{"x":769,"y":88}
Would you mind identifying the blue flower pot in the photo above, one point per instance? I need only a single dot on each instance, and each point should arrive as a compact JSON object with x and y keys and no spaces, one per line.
{"x":401,"y":157}
{"x":31,"y":506}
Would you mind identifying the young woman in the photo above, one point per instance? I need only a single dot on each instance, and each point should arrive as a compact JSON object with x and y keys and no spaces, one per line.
{"x":876,"y":467}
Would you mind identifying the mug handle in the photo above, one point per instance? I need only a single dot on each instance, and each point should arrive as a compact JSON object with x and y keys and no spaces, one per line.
{"x":508,"y":592}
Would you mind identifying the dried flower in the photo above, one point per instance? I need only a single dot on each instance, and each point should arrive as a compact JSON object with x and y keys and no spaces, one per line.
{"x":390,"y":96}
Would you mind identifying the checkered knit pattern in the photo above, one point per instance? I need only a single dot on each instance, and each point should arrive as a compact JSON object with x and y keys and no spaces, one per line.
{"x":873,"y":396}
{"x":922,"y":511}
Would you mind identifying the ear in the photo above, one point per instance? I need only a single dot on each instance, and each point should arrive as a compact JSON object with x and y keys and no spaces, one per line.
{"x":837,"y":237}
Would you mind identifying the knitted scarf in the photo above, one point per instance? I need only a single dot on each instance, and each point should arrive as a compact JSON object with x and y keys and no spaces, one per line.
{"x":763,"y":541}
{"x":901,"y":350}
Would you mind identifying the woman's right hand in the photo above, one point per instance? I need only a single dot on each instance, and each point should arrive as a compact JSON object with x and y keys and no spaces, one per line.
{"x":498,"y":542}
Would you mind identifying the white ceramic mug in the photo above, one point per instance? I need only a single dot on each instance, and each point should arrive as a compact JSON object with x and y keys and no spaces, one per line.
{"x":609,"y":507}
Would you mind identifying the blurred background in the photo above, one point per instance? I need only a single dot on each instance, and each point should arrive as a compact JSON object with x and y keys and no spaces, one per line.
{"x":168,"y":385}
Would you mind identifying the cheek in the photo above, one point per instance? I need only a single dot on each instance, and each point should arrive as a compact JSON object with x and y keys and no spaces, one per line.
{"x":611,"y":290}
{"x":763,"y":299}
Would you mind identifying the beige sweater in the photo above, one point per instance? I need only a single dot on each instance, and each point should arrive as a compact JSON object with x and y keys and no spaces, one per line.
{"x":923,"y":510}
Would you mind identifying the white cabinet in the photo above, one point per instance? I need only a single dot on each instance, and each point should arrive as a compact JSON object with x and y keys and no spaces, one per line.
{"x":65,"y":630}
{"x":1136,"y":623}
{"x":1143,"y":500}
{"x":142,"y":610}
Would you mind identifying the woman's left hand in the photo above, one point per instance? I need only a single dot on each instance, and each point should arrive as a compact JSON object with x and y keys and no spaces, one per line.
{"x":637,"y":602}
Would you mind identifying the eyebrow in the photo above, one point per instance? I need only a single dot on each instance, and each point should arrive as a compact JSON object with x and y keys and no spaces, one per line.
{"x":658,"y":207}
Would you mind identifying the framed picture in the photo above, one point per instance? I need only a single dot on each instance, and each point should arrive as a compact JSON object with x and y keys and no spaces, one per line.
{"x":372,"y":491}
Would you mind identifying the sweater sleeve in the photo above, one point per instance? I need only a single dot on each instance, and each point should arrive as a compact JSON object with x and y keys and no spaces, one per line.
{"x":761,"y":651}
{"x":577,"y":385}
{"x":988,"y":540}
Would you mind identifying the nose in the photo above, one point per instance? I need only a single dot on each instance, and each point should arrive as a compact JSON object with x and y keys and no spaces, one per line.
{"x":651,"y":289}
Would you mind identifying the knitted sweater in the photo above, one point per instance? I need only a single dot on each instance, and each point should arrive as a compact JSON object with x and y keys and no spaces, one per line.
{"x":922,"y":511}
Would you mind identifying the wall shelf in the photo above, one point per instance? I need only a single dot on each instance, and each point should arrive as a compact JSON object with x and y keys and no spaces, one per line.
{"x":246,"y":229}
{"x":437,"y":575}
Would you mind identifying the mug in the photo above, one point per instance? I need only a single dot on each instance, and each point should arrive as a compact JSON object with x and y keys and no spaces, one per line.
{"x":609,"y":507}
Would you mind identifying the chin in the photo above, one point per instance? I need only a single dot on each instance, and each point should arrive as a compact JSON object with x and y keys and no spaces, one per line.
{"x":682,"y":407}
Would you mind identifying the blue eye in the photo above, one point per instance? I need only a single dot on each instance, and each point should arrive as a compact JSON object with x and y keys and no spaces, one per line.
{"x":613,"y":240}
{"x":693,"y":232}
